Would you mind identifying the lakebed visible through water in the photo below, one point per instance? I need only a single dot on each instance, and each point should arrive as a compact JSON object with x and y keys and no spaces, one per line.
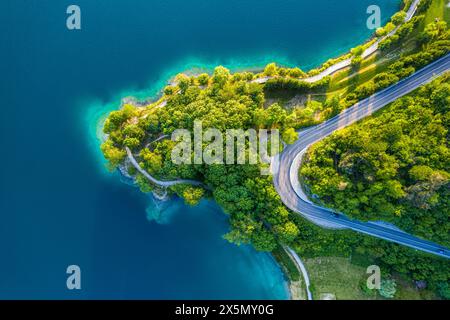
{"x":60,"y":206}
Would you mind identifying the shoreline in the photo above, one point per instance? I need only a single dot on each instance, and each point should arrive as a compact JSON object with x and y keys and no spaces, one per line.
{"x":301,"y":267}
{"x":336,"y":64}
{"x":339,"y":64}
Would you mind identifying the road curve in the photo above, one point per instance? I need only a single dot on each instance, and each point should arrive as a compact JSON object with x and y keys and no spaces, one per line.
{"x":347,"y":62}
{"x":286,"y":178}
{"x":156,"y":181}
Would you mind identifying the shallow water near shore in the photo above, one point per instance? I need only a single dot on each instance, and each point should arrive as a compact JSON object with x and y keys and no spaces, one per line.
{"x":59,"y":205}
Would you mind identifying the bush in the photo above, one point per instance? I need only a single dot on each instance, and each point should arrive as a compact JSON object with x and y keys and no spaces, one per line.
{"x":271,"y":70}
{"x":388,"y":288}
{"x":203,"y":79}
{"x":398,"y":18}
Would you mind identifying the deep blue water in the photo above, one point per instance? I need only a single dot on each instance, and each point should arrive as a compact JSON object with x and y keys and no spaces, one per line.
{"x":59,"y":206}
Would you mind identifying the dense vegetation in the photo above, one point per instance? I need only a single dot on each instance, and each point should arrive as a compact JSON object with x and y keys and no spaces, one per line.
{"x":393,"y":166}
{"x":434,"y":42}
{"x":223,"y":101}
{"x":377,"y":169}
{"x":395,"y":136}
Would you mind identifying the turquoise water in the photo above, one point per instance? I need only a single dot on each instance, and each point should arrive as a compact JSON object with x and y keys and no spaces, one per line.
{"x":59,"y":206}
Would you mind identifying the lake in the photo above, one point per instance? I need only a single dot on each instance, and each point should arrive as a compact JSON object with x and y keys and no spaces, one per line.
{"x":58,"y":204}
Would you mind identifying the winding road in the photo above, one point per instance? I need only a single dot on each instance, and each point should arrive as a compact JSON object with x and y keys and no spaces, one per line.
{"x":347,"y":62}
{"x":156,"y":181}
{"x":289,"y":188}
{"x":286,"y":179}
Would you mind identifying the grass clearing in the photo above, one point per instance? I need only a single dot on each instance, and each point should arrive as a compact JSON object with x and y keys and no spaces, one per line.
{"x":447,"y":11}
{"x":436,"y":10}
{"x":344,"y":278}
{"x":336,"y":276}
{"x":407,"y":291}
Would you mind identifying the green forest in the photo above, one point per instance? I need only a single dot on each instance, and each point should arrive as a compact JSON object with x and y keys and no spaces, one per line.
{"x":393,"y":166}
{"x":221,"y":101}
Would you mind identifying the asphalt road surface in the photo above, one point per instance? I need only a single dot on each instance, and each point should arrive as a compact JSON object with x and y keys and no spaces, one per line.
{"x":286,"y":178}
